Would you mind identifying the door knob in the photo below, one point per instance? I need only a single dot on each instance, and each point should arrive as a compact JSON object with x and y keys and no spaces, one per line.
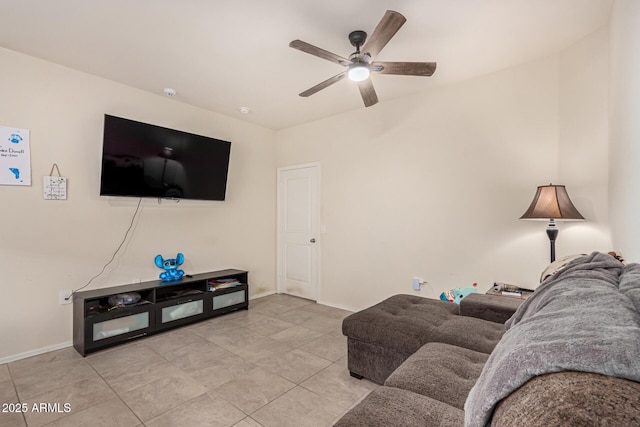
{"x":312,"y":240}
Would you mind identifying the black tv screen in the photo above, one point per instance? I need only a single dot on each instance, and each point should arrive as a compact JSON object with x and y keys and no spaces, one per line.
{"x":143,"y":160}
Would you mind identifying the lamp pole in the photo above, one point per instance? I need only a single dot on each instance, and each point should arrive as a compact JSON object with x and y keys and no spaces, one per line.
{"x":552,"y":232}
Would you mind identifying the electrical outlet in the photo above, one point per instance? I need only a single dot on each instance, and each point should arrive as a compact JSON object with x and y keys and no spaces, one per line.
{"x":416,"y":282}
{"x":65,"y":297}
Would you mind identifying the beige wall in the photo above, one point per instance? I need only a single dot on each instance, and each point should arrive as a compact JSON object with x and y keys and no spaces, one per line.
{"x":583,"y":148}
{"x":48,"y":246}
{"x":624,"y":179}
{"x":432,"y":185}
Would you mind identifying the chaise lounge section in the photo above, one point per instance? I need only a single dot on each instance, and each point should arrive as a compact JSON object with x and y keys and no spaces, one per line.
{"x":382,"y":337}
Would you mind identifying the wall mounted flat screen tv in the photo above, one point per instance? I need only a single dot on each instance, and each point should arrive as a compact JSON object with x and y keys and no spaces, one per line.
{"x":143,"y":160}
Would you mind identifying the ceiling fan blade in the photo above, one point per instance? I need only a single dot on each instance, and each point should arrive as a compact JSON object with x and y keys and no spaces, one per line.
{"x":321,"y":53}
{"x":404,"y":68}
{"x":368,"y":93}
{"x":386,"y":29}
{"x":324,"y":84}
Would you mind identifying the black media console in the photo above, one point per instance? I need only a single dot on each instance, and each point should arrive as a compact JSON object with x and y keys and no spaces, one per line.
{"x":163,"y":305}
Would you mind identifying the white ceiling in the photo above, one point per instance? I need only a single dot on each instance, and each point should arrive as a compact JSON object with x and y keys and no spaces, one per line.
{"x":224,"y":54}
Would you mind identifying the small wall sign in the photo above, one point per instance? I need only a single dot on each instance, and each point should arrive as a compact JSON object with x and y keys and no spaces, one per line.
{"x":54,"y":187}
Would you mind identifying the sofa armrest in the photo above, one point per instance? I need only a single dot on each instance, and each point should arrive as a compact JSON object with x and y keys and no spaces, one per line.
{"x":570,"y":398}
{"x":489,"y":307}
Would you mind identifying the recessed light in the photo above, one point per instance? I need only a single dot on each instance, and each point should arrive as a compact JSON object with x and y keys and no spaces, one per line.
{"x":244,"y":110}
{"x":169,"y":92}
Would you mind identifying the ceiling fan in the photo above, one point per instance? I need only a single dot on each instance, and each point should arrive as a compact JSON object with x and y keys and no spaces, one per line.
{"x":361,"y":62}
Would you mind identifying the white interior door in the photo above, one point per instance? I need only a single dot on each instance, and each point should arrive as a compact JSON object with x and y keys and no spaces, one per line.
{"x":298,"y":230}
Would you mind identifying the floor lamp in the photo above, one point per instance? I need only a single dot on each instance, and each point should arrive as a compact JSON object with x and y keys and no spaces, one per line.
{"x":553,"y":203}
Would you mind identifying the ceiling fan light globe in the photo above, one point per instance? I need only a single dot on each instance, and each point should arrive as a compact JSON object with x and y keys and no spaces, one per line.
{"x":358,"y":72}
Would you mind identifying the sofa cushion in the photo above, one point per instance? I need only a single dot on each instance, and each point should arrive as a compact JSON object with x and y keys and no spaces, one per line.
{"x":495,"y":308}
{"x":571,"y":398}
{"x":389,"y":406}
{"x":441,"y":371}
{"x":406,"y":322}
{"x":558,"y":265}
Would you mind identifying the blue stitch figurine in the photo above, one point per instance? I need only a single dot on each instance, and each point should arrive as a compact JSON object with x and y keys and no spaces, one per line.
{"x":170,"y":266}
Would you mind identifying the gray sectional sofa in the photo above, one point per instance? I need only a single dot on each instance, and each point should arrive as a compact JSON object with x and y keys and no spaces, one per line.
{"x":567,"y":355}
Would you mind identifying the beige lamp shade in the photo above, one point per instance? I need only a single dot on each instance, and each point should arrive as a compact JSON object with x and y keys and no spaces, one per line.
{"x":552,"y":202}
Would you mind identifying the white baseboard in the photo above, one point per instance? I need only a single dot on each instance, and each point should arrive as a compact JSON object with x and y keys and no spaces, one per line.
{"x":341,"y":307}
{"x":264,"y":294}
{"x":35,"y":352}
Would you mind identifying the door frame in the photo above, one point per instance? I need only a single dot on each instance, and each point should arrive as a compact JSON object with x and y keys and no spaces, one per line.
{"x":279,"y":273}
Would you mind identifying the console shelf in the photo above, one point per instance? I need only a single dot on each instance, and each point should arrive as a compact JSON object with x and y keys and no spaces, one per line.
{"x":162,"y":305}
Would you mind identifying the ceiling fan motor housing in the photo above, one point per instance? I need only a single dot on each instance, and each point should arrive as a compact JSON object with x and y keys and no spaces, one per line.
{"x":357,"y":38}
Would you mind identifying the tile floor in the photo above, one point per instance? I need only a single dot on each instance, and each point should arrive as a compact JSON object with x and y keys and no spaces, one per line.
{"x":281,"y":363}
